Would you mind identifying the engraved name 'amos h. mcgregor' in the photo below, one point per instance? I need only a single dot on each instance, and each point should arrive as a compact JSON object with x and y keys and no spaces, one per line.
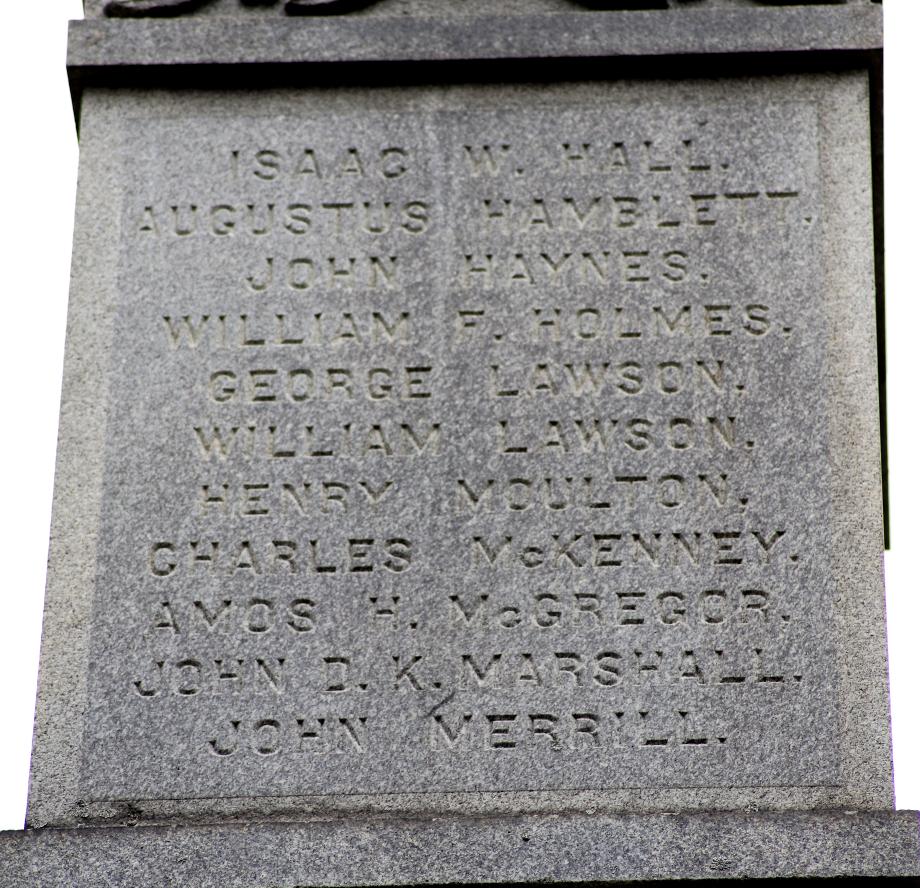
{"x":455,"y":449}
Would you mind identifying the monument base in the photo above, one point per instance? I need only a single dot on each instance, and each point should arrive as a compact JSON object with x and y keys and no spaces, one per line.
{"x":438,"y":850}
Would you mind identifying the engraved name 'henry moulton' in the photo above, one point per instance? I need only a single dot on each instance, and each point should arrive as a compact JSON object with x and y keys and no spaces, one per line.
{"x":449,"y":470}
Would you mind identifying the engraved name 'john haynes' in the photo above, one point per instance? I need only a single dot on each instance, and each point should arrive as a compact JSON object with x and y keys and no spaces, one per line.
{"x":454,"y":455}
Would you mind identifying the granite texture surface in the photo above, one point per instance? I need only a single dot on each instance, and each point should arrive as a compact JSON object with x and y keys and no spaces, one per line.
{"x":411,"y":463}
{"x":519,"y":850}
{"x":474,"y":480}
{"x":255,"y":9}
{"x":158,"y":45}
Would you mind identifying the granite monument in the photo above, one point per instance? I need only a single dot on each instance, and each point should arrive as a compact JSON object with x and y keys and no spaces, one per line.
{"x":469,"y":466}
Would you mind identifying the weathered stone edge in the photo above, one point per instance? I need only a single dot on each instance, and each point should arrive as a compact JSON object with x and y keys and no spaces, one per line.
{"x":63,"y":667}
{"x":216,"y":41}
{"x":578,"y":848}
{"x":854,"y":531}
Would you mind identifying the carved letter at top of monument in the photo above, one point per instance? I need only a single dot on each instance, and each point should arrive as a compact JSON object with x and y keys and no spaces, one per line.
{"x":165,"y":8}
{"x":142,"y":8}
{"x":443,"y":458}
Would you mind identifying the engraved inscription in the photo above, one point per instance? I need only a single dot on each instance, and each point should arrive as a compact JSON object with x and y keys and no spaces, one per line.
{"x":168,"y":8}
{"x":456,"y":450}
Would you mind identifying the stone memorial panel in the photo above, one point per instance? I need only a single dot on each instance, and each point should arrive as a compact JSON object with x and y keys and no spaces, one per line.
{"x":465,"y":469}
{"x":442,"y":459}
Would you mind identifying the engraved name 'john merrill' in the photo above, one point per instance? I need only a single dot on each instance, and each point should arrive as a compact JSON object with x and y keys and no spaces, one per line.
{"x":168,"y":8}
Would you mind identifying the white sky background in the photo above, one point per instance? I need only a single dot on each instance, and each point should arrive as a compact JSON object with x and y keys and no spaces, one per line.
{"x":38,"y":162}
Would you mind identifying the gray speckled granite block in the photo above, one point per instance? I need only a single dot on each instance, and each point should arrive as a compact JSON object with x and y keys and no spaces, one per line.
{"x":107,"y":47}
{"x":432,"y":473}
{"x":560,"y":849}
{"x":475,"y":475}
{"x":429,"y":9}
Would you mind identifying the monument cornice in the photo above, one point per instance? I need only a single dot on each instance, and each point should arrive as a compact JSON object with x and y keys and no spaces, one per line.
{"x":151,"y":44}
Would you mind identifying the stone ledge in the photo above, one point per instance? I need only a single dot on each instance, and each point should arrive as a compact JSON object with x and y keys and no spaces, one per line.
{"x":158,"y":44}
{"x":438,"y":850}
